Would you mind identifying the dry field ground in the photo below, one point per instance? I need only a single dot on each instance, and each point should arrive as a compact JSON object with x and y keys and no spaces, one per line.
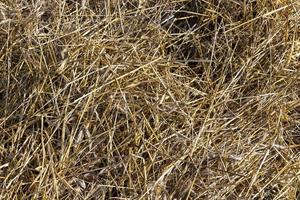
{"x":150,"y":99}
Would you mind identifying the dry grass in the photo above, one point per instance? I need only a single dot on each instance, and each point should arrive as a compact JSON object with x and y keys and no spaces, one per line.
{"x":149,"y":99}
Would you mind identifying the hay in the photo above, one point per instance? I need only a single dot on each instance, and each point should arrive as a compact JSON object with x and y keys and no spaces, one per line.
{"x":176,"y":99}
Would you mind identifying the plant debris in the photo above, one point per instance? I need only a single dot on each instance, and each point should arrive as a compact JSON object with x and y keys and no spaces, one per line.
{"x":149,"y":99}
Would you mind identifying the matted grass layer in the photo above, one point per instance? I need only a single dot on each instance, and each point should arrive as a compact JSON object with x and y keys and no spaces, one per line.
{"x":149,"y":99}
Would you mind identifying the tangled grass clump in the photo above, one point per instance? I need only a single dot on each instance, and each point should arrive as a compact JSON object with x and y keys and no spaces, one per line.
{"x":150,"y":99}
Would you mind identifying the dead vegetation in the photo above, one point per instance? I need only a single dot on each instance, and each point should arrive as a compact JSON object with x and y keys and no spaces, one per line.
{"x":149,"y":99}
